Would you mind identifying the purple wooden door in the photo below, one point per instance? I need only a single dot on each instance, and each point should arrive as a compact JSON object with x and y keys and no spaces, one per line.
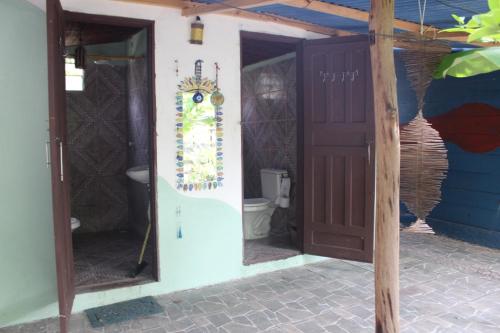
{"x":339,"y":166}
{"x":58,"y":153}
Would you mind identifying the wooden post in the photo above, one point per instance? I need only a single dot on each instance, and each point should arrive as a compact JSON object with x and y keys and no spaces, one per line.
{"x":387,"y":174}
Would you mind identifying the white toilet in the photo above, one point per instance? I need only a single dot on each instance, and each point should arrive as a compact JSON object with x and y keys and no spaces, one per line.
{"x":75,"y":223}
{"x":257,"y":212}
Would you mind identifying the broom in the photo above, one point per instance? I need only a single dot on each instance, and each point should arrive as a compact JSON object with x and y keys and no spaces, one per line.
{"x":141,"y":264}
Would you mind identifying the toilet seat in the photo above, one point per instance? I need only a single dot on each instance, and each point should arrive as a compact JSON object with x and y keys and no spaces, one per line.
{"x":255,"y":204}
{"x":257,"y":214}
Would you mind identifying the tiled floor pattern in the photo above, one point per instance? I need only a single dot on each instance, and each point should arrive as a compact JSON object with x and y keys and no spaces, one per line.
{"x":107,"y":257}
{"x":269,"y":249}
{"x":446,"y":286}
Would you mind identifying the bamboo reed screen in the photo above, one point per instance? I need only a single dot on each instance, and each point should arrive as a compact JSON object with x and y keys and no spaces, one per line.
{"x":424,"y":160}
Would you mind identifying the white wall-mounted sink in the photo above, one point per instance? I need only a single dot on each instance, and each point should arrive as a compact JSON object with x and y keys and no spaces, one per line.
{"x":139,"y":174}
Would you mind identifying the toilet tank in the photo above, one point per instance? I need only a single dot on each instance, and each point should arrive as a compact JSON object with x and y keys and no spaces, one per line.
{"x":270,"y":179}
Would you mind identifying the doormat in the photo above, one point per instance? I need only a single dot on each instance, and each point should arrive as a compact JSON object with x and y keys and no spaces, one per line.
{"x":123,"y":311}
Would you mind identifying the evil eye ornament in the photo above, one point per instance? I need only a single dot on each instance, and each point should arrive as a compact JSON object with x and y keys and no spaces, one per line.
{"x":198,"y":97}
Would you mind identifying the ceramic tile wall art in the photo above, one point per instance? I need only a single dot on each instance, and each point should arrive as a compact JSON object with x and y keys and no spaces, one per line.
{"x":199,"y":136}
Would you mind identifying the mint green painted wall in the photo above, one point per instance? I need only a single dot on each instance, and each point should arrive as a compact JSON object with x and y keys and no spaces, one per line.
{"x":211,"y":250}
{"x":27,"y":273}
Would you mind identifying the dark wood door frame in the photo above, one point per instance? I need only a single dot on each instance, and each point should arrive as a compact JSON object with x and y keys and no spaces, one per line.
{"x":58,"y":162}
{"x":299,"y":186}
{"x":150,"y":28}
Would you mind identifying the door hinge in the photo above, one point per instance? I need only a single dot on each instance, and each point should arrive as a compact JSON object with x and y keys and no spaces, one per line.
{"x":61,"y":158}
{"x":369,"y":151}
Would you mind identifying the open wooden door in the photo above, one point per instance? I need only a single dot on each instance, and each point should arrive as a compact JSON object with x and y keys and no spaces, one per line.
{"x":339,"y":167}
{"x":58,"y":160}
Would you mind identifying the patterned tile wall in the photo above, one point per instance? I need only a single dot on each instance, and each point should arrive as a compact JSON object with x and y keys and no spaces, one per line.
{"x":97,"y":133}
{"x":270,"y":130}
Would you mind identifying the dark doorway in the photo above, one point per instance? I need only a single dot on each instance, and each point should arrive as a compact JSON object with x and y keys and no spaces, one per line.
{"x":109,"y":117}
{"x":103,"y":151}
{"x":270,"y":146}
{"x":108,"y":132}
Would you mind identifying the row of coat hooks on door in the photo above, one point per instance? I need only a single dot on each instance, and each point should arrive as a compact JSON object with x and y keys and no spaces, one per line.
{"x":340,"y":76}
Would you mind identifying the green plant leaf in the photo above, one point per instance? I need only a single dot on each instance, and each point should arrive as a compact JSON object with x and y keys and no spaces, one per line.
{"x":474,"y":22}
{"x":491,"y":18}
{"x":483,"y":27}
{"x":459,"y":19}
{"x":481,"y":33}
{"x":469,"y":63}
{"x":458,"y":29}
{"x":494,"y":4}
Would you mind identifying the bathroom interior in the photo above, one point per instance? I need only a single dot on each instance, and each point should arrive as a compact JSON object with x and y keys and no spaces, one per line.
{"x":269,"y":135}
{"x":108,"y":129}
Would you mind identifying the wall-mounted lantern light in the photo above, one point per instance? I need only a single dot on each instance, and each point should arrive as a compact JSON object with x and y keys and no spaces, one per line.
{"x":197,"y":32}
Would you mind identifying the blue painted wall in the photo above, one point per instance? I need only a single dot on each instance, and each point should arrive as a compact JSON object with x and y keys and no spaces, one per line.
{"x":470,"y":206}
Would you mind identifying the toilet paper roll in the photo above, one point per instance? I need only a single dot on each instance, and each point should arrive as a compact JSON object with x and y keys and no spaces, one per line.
{"x":284,"y":202}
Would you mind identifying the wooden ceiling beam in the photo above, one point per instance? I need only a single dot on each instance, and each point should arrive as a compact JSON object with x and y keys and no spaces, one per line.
{"x":361,"y":15}
{"x":347,"y":12}
{"x":319,"y":6}
{"x":179,"y":4}
{"x":288,"y":22}
{"x":225,"y":6}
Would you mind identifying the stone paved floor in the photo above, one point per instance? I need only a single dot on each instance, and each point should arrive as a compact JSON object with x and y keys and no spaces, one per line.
{"x":268,"y":249}
{"x":446,"y":286}
{"x":108,"y":257}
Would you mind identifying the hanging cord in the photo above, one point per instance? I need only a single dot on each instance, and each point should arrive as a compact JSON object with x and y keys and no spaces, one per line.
{"x":421,"y":12}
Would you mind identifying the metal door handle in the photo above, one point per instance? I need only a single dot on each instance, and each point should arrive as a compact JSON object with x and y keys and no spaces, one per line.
{"x":369,"y":153}
{"x":61,"y":160}
{"x":47,"y":158}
